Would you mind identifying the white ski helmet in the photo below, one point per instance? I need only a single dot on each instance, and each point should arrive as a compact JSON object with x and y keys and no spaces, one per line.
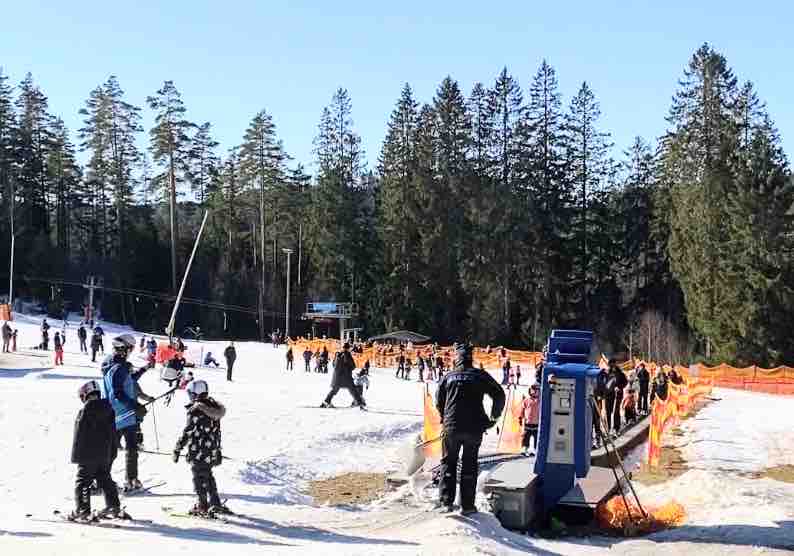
{"x":196,"y":388}
{"x":90,"y":387}
{"x":125,"y":341}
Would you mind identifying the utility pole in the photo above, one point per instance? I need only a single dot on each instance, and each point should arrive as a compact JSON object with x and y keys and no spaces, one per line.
{"x":286,"y":318}
{"x":90,"y":286}
{"x":300,"y":255}
{"x":13,"y":238}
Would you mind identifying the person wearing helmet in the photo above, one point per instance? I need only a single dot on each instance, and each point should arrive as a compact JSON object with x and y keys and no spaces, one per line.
{"x":344,"y":365}
{"x":530,"y":413}
{"x":93,"y":450}
{"x":122,"y":390}
{"x":202,"y":436}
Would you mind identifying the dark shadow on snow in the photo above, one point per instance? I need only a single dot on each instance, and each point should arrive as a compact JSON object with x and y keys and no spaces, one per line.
{"x":21,"y":373}
{"x":24,"y":534}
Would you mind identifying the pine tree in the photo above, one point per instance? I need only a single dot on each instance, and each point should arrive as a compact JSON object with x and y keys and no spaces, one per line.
{"x":170,"y":148}
{"x":262,"y":167}
{"x":397,"y":214}
{"x":65,"y":176}
{"x":7,"y":156}
{"x":590,"y":173}
{"x":203,"y":162}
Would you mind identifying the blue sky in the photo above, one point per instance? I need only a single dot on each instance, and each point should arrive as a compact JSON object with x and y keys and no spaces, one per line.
{"x":232,"y":58}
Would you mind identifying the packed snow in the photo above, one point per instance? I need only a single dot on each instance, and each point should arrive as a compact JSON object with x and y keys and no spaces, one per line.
{"x":277,"y":442}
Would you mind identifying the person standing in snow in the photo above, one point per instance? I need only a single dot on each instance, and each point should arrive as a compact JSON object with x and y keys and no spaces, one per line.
{"x":459,"y":401}
{"x":14,"y":341}
{"x":57,"y":343}
{"x":616,"y":382}
{"x":122,"y":390}
{"x":361,"y":382}
{"x":324,"y":360}
{"x":202,"y":436}
{"x":307,"y":357}
{"x":82,"y":335}
{"x":289,"y":358}
{"x":506,"y":372}
{"x":230,"y":354}
{"x":420,"y":366}
{"x":100,"y":335}
{"x":93,"y":450}
{"x":343,"y":378}
{"x":151,"y":351}
{"x":7,"y":333}
{"x":530,"y":413}
{"x":644,"y":380}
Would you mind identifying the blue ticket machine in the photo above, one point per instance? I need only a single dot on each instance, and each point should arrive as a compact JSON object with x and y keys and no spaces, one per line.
{"x":565,"y":436}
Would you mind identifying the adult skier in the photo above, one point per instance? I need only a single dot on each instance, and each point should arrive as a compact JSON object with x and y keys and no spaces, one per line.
{"x":231,"y":356}
{"x":122,"y":390}
{"x":307,"y":357}
{"x":644,"y":379}
{"x":343,"y":378}
{"x":82,"y":336}
{"x":7,"y":333}
{"x":459,"y":402}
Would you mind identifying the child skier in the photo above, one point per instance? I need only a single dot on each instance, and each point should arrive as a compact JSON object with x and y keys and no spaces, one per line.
{"x":361,"y":382}
{"x":202,"y":436}
{"x":630,"y":406}
{"x":93,"y":450}
{"x":58,"y":343}
{"x":529,"y":416}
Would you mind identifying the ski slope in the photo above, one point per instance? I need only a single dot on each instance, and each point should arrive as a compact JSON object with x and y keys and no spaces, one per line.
{"x":277,"y":443}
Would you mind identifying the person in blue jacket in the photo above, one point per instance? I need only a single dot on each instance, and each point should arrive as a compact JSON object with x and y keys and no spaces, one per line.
{"x":122,"y":390}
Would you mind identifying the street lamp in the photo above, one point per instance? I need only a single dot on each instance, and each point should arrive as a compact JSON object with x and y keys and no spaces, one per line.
{"x":286,"y":318}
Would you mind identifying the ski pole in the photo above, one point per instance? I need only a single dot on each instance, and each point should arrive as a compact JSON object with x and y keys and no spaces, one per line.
{"x":132,"y":411}
{"x":154,"y":422}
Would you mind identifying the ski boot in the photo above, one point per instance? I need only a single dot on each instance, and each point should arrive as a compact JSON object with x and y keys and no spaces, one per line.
{"x":219,"y":509}
{"x":199,"y":510}
{"x":132,"y":486}
{"x":327,"y":404}
{"x":81,"y":515}
{"x":113,"y":512}
{"x":468,"y":511}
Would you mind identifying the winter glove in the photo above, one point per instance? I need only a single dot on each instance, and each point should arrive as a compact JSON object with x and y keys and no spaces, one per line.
{"x":491,"y":423}
{"x":140,"y":412}
{"x":176,"y":456}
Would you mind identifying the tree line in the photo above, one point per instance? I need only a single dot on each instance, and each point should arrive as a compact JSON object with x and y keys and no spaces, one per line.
{"x":494,"y":216}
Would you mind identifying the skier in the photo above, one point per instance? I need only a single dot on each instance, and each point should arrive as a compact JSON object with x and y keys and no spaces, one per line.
{"x":210,"y":360}
{"x":122,"y":391}
{"x":7,"y":333}
{"x":400,"y":365}
{"x":459,"y":402}
{"x":420,"y":366}
{"x":616,"y":382}
{"x":175,"y":368}
{"x":289,"y":359}
{"x":324,"y":360}
{"x":361,"y":382}
{"x":82,"y":335}
{"x":151,"y":351}
{"x":230,"y":354}
{"x":307,"y":357}
{"x":100,"y":334}
{"x":506,"y":372}
{"x":343,"y":378}
{"x":530,"y":411}
{"x":630,"y":406}
{"x":407,"y":371}
{"x":93,"y":450}
{"x":202,"y":436}
{"x":644,"y":379}
{"x":45,"y":335}
{"x":57,"y":342}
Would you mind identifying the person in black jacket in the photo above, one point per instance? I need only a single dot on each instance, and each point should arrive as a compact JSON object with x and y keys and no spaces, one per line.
{"x":459,"y":402}
{"x":93,"y":450}
{"x":231,"y":356}
{"x":343,"y":378}
{"x":82,"y":335}
{"x":616,"y":382}
{"x":290,"y":359}
{"x":202,"y":436}
{"x":307,"y":357}
{"x":644,"y":379}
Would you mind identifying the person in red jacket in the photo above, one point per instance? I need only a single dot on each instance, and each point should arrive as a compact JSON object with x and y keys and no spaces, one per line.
{"x":530,"y":417}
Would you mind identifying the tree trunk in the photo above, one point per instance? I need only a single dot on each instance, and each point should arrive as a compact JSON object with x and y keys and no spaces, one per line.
{"x":172,"y":207}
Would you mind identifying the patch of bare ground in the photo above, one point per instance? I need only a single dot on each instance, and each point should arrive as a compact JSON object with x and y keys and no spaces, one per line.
{"x":348,"y":488}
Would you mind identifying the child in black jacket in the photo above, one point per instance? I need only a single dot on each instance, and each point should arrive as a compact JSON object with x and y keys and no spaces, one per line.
{"x":202,"y":436}
{"x":93,"y":450}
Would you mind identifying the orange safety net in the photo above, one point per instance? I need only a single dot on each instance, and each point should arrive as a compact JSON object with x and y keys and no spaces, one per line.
{"x":614,"y":515}
{"x":165,"y":353}
{"x":5,"y":312}
{"x":432,"y":427}
{"x":512,"y":428}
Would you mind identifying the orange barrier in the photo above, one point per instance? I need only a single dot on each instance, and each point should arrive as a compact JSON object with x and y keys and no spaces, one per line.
{"x":512,"y":430}
{"x":5,"y":312}
{"x":432,"y":426}
{"x":664,"y":414}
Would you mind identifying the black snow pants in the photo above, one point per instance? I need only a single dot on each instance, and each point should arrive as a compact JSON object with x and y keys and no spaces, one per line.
{"x":451,"y":447}
{"x":229,"y":368}
{"x":353,"y":392}
{"x":204,"y":485}
{"x":609,"y":402}
{"x":643,"y":398}
{"x":86,"y":474}
{"x":130,"y":436}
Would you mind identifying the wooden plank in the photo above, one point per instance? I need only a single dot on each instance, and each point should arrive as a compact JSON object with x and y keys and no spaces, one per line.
{"x":597,"y":486}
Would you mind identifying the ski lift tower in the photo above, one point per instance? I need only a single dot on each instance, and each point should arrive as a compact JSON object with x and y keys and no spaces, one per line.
{"x":331,"y":310}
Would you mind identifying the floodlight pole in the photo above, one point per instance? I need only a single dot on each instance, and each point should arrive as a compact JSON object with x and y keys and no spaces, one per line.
{"x":286,"y":318}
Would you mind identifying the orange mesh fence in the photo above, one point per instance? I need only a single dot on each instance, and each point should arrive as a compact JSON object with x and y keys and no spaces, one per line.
{"x":512,"y":428}
{"x":5,"y":312}
{"x":614,"y":515}
{"x":432,"y":426}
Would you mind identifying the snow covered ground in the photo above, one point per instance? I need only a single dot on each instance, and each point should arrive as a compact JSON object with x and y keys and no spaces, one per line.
{"x":276,"y":444}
